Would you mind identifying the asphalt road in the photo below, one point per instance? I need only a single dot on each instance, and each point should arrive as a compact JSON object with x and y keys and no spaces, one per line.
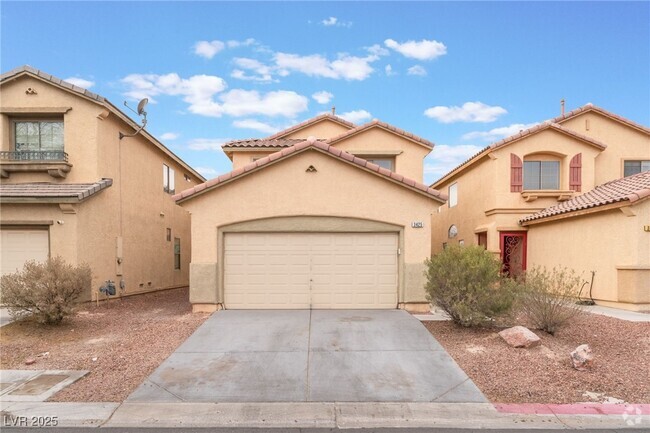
{"x":298,"y":430}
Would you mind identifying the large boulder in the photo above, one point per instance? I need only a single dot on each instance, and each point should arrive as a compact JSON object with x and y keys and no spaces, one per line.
{"x":582,"y":358}
{"x":520,"y":336}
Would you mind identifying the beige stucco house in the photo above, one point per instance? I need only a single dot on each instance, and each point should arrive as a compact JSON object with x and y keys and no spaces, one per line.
{"x":325,"y":214}
{"x":556,"y":163}
{"x":71,"y":187}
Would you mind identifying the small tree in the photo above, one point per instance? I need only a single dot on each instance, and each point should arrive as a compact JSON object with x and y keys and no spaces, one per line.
{"x":466,"y":283}
{"x":549,"y":298}
{"x":47,"y":291}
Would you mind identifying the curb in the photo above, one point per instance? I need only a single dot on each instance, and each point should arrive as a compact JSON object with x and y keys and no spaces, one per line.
{"x":329,"y":415}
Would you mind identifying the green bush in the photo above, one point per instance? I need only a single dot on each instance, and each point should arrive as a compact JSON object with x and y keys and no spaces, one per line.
{"x":47,"y":291}
{"x":548,"y":300}
{"x":466,"y":283}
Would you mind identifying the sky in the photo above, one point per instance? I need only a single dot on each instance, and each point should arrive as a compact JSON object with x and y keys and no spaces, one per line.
{"x":460,"y":74}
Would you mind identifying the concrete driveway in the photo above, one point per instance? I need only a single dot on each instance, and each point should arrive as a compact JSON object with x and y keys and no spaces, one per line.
{"x":303,"y":355}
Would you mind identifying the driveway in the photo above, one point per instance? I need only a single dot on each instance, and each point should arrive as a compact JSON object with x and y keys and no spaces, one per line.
{"x":313,"y":356}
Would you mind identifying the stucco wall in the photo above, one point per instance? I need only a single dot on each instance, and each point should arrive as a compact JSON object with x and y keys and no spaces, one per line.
{"x":409,"y":162}
{"x":603,"y":242}
{"x":241,"y":158}
{"x":286,"y":189}
{"x":623,"y":142}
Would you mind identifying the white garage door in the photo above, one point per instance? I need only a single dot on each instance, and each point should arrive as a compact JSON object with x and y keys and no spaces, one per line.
{"x":310,"y":270}
{"x":18,"y":246}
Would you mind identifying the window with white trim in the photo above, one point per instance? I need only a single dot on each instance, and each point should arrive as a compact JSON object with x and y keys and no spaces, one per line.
{"x":387,"y":163}
{"x":453,"y":195}
{"x":541,"y":175}
{"x":168,"y":179}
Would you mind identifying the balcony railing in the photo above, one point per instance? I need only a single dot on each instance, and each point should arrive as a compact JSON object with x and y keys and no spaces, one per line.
{"x":34,"y":155}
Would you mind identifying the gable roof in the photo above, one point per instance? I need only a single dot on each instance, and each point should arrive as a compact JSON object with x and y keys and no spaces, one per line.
{"x":516,"y":137}
{"x":312,"y":121}
{"x":631,"y":189}
{"x":51,"y":192}
{"x":591,"y":107}
{"x":377,"y":123}
{"x":93,"y":97}
{"x":302,"y":147}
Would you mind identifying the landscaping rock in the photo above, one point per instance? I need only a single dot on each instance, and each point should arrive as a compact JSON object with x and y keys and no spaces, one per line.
{"x":520,"y":336}
{"x":582,"y":358}
{"x":30,"y":361}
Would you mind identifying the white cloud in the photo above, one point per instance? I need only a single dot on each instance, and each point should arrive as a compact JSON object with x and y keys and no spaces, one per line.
{"x":322,"y":97}
{"x":444,"y":157}
{"x":245,"y":43}
{"x":80,"y":82}
{"x":169,"y":136}
{"x":284,"y":103}
{"x":421,"y":50}
{"x":207,"y":143}
{"x":207,"y":172}
{"x":255,"y":125}
{"x":468,"y":112}
{"x":262,"y":72}
{"x":344,"y":67}
{"x":208,"y":49}
{"x":200,"y":92}
{"x":356,"y":116}
{"x":389,"y":71}
{"x":498,"y":133}
{"x":417,"y":70}
{"x":377,"y":50}
{"x":335,"y":22}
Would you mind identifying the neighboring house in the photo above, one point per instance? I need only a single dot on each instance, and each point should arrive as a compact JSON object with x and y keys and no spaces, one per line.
{"x":606,"y":229}
{"x":542,"y":167}
{"x":71,"y":187}
{"x":325,"y":214}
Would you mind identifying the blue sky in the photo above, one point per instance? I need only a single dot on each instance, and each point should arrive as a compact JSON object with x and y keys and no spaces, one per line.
{"x":459,"y":74}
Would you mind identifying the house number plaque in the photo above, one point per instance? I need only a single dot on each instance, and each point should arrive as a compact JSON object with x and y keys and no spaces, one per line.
{"x":417,"y":224}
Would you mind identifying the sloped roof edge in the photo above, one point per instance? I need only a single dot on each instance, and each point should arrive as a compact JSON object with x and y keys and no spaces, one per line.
{"x":311,"y":121}
{"x":300,"y":147}
{"x":26,"y":69}
{"x":387,"y":126}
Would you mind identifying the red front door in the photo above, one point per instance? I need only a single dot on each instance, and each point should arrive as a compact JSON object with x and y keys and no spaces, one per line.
{"x":513,"y":252}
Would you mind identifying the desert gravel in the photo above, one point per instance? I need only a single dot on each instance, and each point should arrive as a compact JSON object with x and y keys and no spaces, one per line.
{"x":120,"y":341}
{"x":544,"y":374}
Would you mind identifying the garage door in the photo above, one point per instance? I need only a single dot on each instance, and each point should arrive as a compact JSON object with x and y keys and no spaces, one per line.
{"x":310,"y":270}
{"x":18,"y":246}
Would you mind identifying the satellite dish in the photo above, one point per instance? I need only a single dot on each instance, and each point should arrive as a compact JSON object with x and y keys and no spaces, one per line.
{"x":143,"y":103}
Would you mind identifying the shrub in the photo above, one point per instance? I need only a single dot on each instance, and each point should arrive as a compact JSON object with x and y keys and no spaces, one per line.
{"x":549,"y":298}
{"x":46,"y":291}
{"x":466,"y":283}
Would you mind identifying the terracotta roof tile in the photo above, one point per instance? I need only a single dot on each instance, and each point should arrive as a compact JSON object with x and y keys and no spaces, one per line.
{"x":74,"y":192}
{"x":631,"y":188}
{"x":261,"y":142}
{"x":384,"y":125}
{"x":320,"y":146}
{"x":592,"y":107}
{"x":308,"y":122}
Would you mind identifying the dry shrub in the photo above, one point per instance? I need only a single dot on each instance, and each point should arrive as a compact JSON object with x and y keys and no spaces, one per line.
{"x":467,"y":284}
{"x":548,"y":299}
{"x":47,"y":291}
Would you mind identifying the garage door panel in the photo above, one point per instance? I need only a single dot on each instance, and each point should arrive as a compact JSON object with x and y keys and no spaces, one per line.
{"x":19,"y":246}
{"x":347,"y":270}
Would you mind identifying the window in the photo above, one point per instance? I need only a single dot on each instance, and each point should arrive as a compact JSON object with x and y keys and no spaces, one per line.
{"x":169,"y":235}
{"x":453,"y":195}
{"x":44,"y":137}
{"x":541,"y":175}
{"x":452,"y":232}
{"x":482,"y":239}
{"x":168,"y":179}
{"x":382,"y":162}
{"x":635,"y":167}
{"x":177,"y":253}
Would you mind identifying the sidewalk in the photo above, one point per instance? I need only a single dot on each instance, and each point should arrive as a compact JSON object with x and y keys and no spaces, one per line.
{"x":334,"y":415}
